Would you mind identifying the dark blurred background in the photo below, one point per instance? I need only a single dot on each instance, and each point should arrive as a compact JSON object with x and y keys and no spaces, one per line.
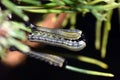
{"x":33,"y":69}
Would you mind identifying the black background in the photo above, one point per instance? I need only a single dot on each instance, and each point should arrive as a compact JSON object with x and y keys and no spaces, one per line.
{"x":33,"y":69}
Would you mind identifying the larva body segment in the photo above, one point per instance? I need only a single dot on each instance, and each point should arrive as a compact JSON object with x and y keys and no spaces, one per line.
{"x":50,"y":58}
{"x":69,"y":39}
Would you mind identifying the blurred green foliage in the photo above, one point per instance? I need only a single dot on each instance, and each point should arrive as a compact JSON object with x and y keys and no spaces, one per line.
{"x":11,"y":33}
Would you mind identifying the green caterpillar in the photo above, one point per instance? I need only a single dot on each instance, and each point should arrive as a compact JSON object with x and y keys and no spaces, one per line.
{"x":66,"y":38}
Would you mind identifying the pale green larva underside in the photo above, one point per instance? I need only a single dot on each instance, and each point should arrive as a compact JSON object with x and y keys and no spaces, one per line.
{"x":69,"y":39}
{"x":50,"y":58}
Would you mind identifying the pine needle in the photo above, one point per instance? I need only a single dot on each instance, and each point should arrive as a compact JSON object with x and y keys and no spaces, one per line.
{"x":89,"y":72}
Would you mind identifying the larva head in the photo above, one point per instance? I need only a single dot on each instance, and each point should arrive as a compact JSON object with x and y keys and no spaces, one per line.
{"x":76,"y":44}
